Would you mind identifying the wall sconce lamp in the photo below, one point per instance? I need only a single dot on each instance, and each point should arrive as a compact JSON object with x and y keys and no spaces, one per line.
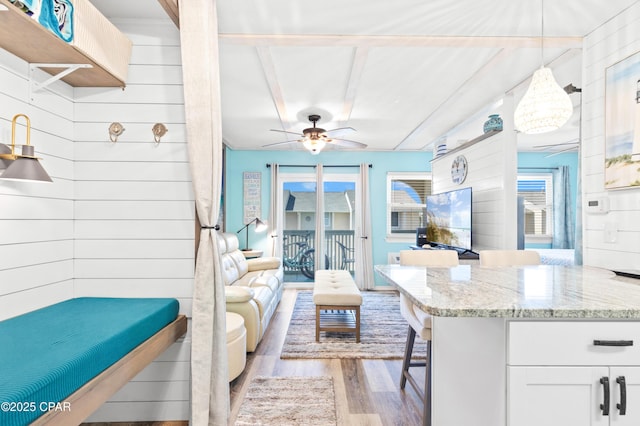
{"x":260,"y":227}
{"x":25,"y":166}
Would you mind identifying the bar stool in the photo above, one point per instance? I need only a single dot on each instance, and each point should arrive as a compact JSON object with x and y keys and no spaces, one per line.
{"x":508,"y":257}
{"x":420,"y":323}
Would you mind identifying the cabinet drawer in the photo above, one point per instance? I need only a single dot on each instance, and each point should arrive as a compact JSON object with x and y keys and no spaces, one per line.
{"x":572,"y":343}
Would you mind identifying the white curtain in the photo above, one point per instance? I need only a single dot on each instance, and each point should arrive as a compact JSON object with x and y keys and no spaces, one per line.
{"x":209,"y":367}
{"x":364,"y":256}
{"x":319,"y":243}
{"x":276,"y":238}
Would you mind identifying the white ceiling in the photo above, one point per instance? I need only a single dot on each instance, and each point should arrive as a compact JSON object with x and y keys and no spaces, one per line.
{"x":404,"y":74}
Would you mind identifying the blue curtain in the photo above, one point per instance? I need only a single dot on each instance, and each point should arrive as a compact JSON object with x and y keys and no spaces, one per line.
{"x":563,"y":216}
{"x":578,"y":237}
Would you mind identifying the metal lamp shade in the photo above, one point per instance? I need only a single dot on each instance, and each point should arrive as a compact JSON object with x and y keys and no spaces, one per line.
{"x":25,"y":168}
{"x":4,"y":163}
{"x":260,"y":226}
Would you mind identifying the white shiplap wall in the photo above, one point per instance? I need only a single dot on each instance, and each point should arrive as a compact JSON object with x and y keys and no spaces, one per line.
{"x":614,"y":41}
{"x":118,"y":220}
{"x":36,"y":219}
{"x":134,"y":209}
{"x":492,"y":175}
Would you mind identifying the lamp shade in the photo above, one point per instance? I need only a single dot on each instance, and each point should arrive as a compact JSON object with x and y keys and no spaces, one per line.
{"x":260,"y":226}
{"x":314,"y":145}
{"x":544,"y":107}
{"x":25,"y":168}
{"x":4,"y":162}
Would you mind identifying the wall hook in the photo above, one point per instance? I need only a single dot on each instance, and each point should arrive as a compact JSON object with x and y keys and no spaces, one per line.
{"x":115,"y":130}
{"x":158,"y":130}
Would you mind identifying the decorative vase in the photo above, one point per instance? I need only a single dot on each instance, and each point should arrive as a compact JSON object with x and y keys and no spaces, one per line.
{"x":493,"y":123}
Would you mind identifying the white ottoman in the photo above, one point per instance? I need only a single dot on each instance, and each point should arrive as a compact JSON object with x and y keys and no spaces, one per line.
{"x":236,"y":344}
{"x":336,"y":290}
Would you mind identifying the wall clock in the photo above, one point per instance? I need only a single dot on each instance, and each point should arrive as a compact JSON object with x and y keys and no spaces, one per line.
{"x":459,"y":169}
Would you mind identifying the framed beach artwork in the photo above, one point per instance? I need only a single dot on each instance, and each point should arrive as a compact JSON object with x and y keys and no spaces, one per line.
{"x":622,"y":124}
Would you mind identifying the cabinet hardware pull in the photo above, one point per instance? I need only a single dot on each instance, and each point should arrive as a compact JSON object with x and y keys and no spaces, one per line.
{"x":613,"y":342}
{"x":605,"y":405}
{"x":623,"y":395}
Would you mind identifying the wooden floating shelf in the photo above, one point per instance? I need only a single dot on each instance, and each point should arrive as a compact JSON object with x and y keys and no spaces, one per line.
{"x":27,"y":39}
{"x":468,"y":144}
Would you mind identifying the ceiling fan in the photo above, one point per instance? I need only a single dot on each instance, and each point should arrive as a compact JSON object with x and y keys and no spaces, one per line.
{"x":315,"y":139}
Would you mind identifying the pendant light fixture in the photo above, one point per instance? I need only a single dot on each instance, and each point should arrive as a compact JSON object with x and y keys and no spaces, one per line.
{"x":545,"y":106}
{"x":25,"y":166}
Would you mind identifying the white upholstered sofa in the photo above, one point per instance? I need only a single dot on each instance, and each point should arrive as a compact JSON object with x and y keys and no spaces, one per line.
{"x":253,"y":287}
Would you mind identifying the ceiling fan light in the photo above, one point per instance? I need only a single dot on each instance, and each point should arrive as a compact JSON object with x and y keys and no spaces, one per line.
{"x":544,"y":107}
{"x":314,"y":145}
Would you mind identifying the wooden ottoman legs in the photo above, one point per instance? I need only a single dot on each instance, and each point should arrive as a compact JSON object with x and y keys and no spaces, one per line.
{"x":339,"y":327}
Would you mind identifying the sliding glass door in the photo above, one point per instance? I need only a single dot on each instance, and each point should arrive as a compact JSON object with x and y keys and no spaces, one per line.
{"x":300,"y":210}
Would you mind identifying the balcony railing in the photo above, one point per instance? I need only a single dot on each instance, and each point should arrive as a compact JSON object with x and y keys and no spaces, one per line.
{"x":335,"y":256}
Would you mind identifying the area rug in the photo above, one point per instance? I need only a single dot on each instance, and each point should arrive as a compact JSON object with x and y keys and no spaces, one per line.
{"x":383,"y":331}
{"x":280,"y":401}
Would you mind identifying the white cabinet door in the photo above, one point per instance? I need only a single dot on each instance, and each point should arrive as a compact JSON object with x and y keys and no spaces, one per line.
{"x":557,"y":396}
{"x":631,"y":377}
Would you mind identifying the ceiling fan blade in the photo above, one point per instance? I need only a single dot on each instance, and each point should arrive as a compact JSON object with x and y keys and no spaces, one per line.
{"x":341,"y":129}
{"x":285,"y":131}
{"x":347,"y":143}
{"x":557,"y":144}
{"x":561,"y":151}
{"x":280,"y":143}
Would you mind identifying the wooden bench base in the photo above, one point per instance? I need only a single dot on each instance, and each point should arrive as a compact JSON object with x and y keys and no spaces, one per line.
{"x":338,"y":323}
{"x":335,"y":290}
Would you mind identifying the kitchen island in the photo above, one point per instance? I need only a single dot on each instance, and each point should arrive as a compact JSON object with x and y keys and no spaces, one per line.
{"x":529,"y":345}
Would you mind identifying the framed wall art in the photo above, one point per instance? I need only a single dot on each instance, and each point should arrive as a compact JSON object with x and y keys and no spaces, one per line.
{"x":251,"y":182}
{"x":622,"y":124}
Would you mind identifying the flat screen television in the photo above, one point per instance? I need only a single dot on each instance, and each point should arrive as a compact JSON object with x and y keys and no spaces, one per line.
{"x":449,"y":219}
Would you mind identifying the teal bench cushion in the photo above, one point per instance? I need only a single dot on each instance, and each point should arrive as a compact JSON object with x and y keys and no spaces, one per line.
{"x":48,"y":354}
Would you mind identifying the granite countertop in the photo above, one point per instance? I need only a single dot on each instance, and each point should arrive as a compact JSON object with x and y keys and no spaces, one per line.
{"x":545,"y":291}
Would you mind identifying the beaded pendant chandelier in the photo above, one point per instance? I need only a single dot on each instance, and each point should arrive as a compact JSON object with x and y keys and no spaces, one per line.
{"x":545,"y":106}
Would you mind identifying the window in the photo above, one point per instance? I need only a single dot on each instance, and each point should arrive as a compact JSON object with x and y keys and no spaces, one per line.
{"x":406,"y":204}
{"x":537,"y":192}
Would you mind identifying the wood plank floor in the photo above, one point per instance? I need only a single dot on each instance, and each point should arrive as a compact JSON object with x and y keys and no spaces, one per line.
{"x":367,"y":391}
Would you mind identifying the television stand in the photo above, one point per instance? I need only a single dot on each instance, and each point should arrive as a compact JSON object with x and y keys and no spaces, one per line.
{"x":465,"y":254}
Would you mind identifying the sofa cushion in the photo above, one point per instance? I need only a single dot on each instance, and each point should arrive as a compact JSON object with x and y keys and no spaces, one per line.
{"x":229,"y":269}
{"x":231,"y":241}
{"x":263,"y":297}
{"x":238,"y":294}
{"x":262,"y":263}
{"x":246,"y":279}
{"x":240,"y":260}
{"x":222,"y":245}
{"x":266,"y":281}
{"x":278,"y":274}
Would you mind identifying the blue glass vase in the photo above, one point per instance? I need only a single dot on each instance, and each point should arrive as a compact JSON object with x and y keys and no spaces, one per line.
{"x":493,"y":123}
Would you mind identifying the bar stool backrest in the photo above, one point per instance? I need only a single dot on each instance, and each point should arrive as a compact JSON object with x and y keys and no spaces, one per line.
{"x":433,"y":258}
{"x":508,"y":257}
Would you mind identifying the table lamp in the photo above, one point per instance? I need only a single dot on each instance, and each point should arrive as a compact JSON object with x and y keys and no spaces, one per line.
{"x":260,"y":227}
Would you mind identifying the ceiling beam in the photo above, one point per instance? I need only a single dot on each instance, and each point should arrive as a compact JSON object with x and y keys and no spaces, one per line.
{"x":269,"y":71}
{"x":391,"y":40}
{"x":485,"y":69}
{"x":357,"y":68}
